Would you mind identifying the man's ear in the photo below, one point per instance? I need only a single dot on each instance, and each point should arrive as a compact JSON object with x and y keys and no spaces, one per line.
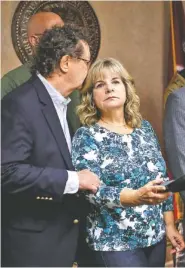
{"x":64,"y":63}
{"x":33,"y":40}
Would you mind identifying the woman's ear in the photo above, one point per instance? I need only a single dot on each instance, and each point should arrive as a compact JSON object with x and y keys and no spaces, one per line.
{"x":64,"y":63}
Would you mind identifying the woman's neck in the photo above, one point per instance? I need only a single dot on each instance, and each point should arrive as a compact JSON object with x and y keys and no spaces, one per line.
{"x":115,"y":117}
{"x":115,"y":122}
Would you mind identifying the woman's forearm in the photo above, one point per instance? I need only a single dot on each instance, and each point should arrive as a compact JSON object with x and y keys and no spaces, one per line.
{"x":168,"y":218}
{"x":128,"y":197}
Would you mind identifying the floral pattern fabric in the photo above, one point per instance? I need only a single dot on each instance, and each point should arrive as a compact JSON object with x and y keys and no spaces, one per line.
{"x":121,"y":160}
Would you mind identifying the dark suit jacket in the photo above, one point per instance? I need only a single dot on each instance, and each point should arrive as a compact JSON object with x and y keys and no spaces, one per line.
{"x":39,"y":223}
{"x":174,"y":133}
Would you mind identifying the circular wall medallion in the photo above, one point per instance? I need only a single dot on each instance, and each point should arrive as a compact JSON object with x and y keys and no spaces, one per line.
{"x":77,"y":12}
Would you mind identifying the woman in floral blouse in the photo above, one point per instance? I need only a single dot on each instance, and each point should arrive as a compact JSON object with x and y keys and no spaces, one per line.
{"x":129,"y":215}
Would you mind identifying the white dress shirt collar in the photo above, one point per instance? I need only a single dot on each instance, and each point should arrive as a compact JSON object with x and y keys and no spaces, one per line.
{"x":54,"y":94}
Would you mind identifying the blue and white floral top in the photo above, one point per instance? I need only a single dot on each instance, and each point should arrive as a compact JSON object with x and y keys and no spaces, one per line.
{"x":121,"y":160}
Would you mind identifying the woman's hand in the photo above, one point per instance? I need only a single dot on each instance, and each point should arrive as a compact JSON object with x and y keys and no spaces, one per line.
{"x":150,"y":194}
{"x":175,"y":238}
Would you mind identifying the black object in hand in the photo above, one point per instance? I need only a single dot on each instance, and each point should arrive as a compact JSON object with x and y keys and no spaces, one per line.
{"x":174,"y":186}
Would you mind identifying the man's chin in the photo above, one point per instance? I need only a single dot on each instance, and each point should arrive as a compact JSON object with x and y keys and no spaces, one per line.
{"x":80,"y":87}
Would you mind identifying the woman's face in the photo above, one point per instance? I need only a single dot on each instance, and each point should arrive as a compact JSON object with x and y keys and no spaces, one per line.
{"x":109,"y":92}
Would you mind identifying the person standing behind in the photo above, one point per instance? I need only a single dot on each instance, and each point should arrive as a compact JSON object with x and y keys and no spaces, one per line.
{"x":40,"y":211}
{"x":37,"y":24}
{"x":174,"y":137}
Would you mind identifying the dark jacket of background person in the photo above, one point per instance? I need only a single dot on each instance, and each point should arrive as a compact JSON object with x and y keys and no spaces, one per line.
{"x":174,"y":135}
{"x":174,"y":131}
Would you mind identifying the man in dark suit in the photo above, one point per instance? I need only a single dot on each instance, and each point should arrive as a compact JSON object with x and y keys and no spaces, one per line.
{"x":40,"y":207}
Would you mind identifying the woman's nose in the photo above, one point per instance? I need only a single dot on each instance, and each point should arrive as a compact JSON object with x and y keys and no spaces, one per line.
{"x":109,"y":89}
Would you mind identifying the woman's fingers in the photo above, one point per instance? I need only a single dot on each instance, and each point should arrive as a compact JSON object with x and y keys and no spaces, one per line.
{"x":158,"y":188}
{"x":174,"y":242}
{"x":180,"y":242}
{"x":175,"y":238}
{"x":150,"y":194}
{"x":177,"y":242}
{"x":155,"y":182}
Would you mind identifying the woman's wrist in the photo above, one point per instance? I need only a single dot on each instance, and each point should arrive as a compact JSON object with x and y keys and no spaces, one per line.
{"x":128,"y":197}
{"x":169,"y":219}
{"x":170,"y":225}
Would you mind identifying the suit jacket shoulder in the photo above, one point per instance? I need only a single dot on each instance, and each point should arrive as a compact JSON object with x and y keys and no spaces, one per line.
{"x":175,"y":101}
{"x":179,"y":92}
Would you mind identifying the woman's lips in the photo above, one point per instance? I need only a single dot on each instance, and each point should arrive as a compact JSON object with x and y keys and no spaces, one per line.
{"x":111,"y":98}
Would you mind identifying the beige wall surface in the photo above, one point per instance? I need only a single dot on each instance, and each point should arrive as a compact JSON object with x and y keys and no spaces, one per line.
{"x":133,"y":32}
{"x":136,"y":33}
{"x":9,"y":59}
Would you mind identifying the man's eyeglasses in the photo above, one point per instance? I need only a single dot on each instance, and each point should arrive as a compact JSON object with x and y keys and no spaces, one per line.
{"x":87,"y":62}
{"x":38,"y":34}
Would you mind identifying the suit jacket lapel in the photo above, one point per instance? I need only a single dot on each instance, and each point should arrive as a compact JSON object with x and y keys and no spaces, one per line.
{"x":53,"y":121}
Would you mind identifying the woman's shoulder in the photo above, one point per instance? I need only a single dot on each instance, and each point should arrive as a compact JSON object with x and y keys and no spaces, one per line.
{"x":81,"y":130}
{"x":84,"y":131}
{"x":146,"y":125}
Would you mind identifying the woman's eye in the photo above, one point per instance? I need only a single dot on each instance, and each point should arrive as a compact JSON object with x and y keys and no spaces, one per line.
{"x":99,"y":86}
{"x":116,"y":82}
